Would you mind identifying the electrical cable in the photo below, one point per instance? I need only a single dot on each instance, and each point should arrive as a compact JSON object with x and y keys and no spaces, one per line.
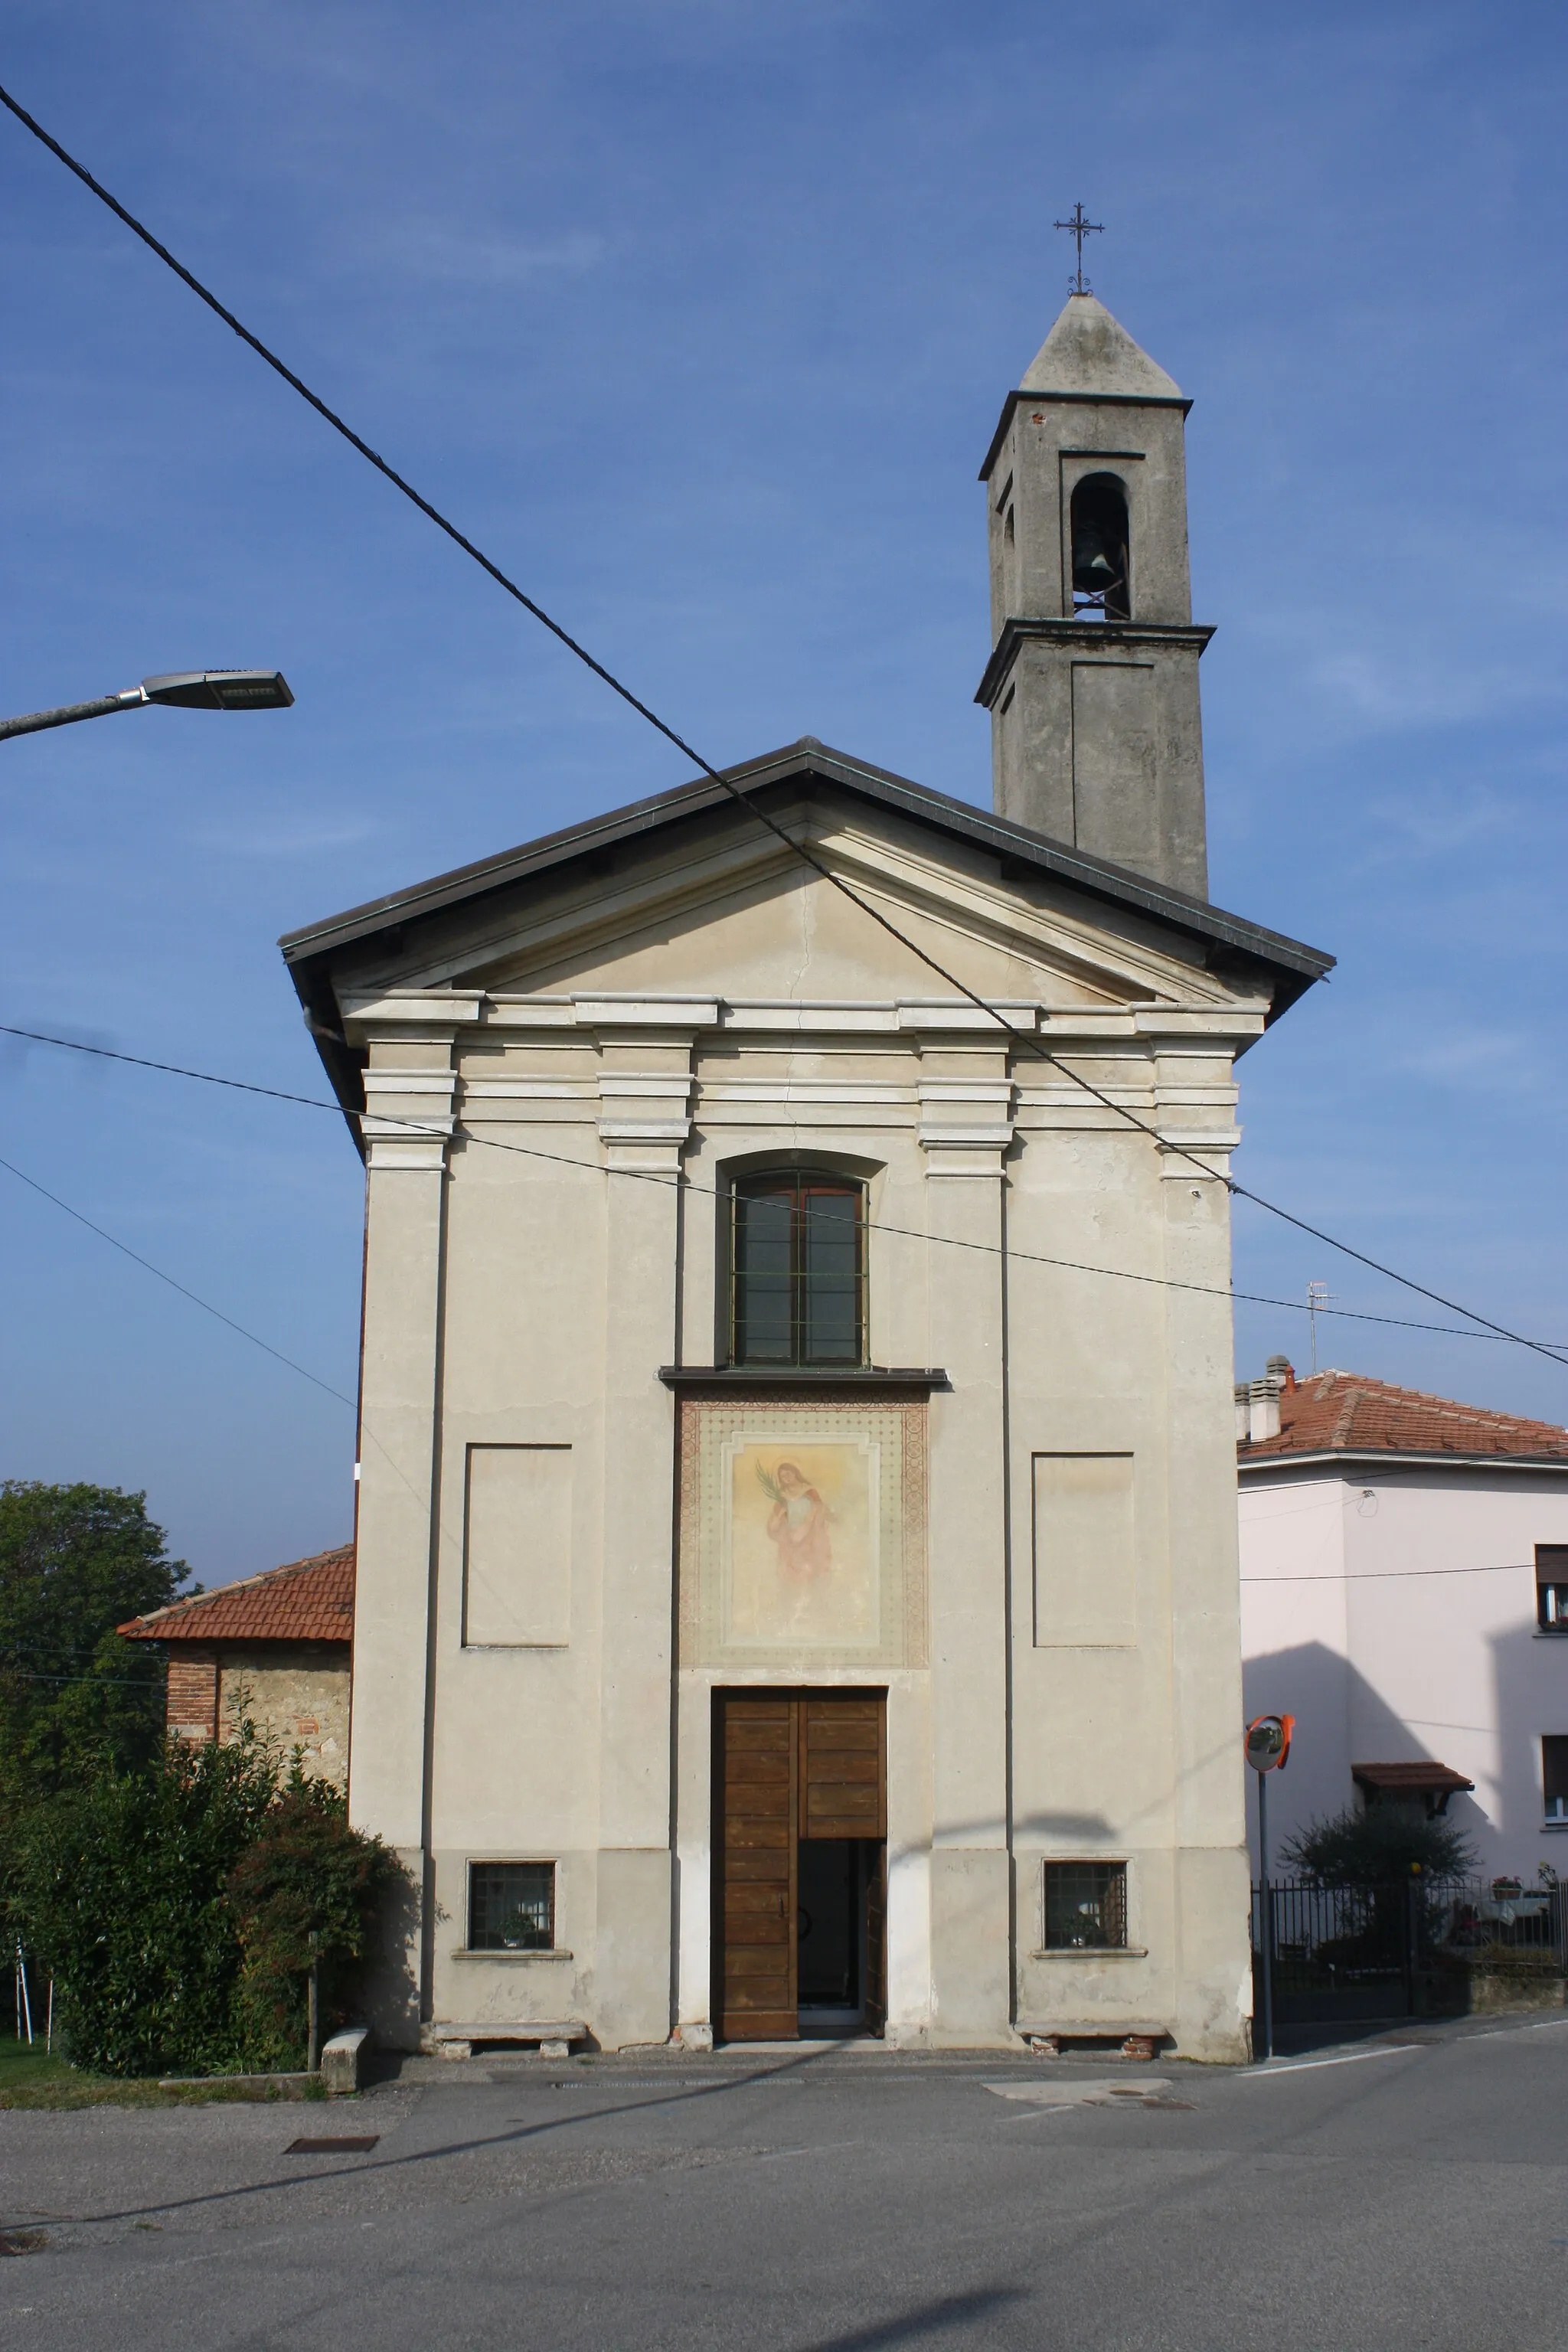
{"x":711,"y":1192}
{"x":205,"y":1305}
{"x":743,"y":799}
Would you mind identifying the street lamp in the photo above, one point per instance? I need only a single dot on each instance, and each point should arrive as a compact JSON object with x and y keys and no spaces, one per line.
{"x":186,"y":689}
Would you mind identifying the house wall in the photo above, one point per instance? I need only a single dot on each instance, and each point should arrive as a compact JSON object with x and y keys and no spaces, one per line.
{"x":514,"y":1299}
{"x":296,"y":1692}
{"x":1392,"y":1609}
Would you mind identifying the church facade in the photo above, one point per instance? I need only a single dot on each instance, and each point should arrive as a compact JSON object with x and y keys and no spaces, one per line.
{"x":797,"y":1581}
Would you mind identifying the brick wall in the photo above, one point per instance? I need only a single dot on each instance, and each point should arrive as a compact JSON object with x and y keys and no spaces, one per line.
{"x":191,"y":1701}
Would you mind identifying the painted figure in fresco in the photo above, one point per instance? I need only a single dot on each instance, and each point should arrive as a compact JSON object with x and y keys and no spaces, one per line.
{"x":797,"y":1524}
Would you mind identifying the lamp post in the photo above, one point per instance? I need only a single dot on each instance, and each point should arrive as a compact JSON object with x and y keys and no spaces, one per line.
{"x":187,"y":689}
{"x":1267,"y":1750}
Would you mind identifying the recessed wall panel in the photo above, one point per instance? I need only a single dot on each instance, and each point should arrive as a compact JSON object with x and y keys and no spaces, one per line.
{"x":517,"y":1550}
{"x":1085,"y":1588}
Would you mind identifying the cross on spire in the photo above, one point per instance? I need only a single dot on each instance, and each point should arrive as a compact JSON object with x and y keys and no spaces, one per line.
{"x":1078,"y":229}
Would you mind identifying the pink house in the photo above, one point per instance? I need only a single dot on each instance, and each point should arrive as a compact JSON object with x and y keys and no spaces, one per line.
{"x":1404,"y":1596}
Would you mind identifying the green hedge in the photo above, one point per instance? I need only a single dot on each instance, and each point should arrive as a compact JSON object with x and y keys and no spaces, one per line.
{"x":179,"y":1908}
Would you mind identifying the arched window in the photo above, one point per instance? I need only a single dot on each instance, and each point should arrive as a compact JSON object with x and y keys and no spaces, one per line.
{"x":1100,"y":589}
{"x":797,"y":1286}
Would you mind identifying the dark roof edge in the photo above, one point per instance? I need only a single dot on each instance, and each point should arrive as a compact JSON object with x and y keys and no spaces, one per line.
{"x":1290,"y":958}
{"x":1081,"y":400}
{"x":1449,"y":1460}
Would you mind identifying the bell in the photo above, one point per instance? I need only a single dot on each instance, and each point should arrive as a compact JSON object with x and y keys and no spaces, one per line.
{"x":1092,"y":569}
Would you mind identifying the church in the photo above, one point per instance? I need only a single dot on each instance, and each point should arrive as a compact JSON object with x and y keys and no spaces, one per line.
{"x":797,"y":1587}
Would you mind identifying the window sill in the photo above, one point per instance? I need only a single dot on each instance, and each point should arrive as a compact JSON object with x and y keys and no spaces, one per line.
{"x":1101,"y":1951}
{"x":857,"y":1376}
{"x":1552,"y":1633}
{"x":1549,"y":1826}
{"x":465,"y":1952}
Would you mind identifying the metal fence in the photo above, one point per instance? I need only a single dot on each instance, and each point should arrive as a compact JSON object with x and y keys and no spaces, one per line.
{"x":1413,"y":1947}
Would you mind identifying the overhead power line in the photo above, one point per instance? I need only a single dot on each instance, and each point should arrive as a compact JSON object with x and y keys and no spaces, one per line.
{"x":796,"y":848}
{"x":685,"y":1183}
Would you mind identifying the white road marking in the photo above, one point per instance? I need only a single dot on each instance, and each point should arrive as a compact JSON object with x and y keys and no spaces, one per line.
{"x":1272,"y":2067}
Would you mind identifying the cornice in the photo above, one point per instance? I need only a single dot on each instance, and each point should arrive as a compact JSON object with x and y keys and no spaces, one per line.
{"x":1082,"y":637}
{"x":1075,"y":400}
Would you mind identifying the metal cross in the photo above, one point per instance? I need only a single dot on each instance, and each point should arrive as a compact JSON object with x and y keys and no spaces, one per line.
{"x":1078,"y":229}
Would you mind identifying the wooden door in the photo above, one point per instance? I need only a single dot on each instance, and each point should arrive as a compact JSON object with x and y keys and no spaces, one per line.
{"x":791,"y":1765}
{"x":843,"y":1766}
{"x":874,"y":1999}
{"x":758,"y":1769}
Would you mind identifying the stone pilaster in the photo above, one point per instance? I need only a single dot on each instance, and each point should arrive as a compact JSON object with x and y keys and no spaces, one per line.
{"x":966,"y":1126}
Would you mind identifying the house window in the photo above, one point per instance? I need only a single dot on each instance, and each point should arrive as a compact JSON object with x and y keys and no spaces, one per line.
{"x":1554,"y":1778}
{"x":512,"y":1907}
{"x":1086,"y":1906}
{"x":798,"y":1279}
{"x":1551,"y":1588}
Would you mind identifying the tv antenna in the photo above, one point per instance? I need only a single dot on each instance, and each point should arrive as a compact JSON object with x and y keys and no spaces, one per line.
{"x":1318,"y":1295}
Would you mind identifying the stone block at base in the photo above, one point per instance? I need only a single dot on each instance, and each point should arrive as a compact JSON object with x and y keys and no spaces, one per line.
{"x":342,"y":2060}
{"x":554,"y":2039}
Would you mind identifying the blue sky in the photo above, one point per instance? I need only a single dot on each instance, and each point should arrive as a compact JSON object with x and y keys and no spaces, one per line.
{"x":699,"y":316}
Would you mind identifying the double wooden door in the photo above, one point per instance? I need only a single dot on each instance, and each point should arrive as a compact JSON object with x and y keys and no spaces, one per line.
{"x":792,"y":1765}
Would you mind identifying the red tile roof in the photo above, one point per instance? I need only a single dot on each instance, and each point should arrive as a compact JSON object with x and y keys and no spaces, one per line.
{"x":1419,"y":1779}
{"x":1345,"y":1413}
{"x":309,"y":1601}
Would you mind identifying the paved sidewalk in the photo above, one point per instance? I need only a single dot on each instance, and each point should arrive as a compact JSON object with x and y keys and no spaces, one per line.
{"x":1405,"y":2191}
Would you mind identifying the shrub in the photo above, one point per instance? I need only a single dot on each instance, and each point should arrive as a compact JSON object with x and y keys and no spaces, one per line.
{"x":1371,"y":1848}
{"x":171,"y":1906}
{"x":304,"y":1894}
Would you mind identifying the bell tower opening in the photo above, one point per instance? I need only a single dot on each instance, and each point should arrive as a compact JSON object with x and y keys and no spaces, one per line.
{"x":1099,"y":550}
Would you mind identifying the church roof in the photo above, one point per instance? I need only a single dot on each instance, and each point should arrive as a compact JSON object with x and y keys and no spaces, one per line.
{"x":1282,"y":968}
{"x":1089,"y":353}
{"x":307,"y":1601}
{"x":1348,"y":1413}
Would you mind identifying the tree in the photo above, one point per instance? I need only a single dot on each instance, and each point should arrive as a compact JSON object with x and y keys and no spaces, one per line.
{"x":74,"y":1562}
{"x":178,"y":1908}
{"x":118,"y":1889}
{"x":304,"y":1895}
{"x":1374,"y":1847}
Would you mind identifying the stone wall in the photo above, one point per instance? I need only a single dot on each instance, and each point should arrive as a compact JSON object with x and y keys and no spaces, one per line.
{"x":297,"y":1693}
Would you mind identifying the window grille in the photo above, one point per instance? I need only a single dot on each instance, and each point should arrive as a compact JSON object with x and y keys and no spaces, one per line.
{"x":1551,"y":1588}
{"x":1554,"y":1777}
{"x":1086,"y":1906}
{"x":512,"y":1907}
{"x":797,"y":1270}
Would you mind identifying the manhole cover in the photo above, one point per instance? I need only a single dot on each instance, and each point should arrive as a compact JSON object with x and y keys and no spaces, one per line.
{"x":345,"y":2145}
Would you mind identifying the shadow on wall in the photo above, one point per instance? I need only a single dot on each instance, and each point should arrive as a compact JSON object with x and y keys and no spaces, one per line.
{"x":1341,"y":1720}
{"x":1529,"y":1693}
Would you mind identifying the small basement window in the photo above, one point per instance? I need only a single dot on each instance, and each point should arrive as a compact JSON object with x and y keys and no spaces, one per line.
{"x":1551,"y":1588}
{"x":512,"y":1907}
{"x":1086,"y":1906}
{"x":1554,"y":1779}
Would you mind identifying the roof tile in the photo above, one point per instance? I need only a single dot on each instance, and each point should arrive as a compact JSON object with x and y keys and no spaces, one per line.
{"x":1347,"y":1412}
{"x":307,"y":1601}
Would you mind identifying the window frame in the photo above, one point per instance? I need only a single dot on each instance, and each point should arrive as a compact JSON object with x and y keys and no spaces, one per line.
{"x":1113,"y":1895}
{"x":801,"y":1179}
{"x":1552,"y":1589}
{"x":1550,"y":1797}
{"x":501,"y":1863}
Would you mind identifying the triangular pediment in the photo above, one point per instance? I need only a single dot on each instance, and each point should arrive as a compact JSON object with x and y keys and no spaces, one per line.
{"x":697,"y":894}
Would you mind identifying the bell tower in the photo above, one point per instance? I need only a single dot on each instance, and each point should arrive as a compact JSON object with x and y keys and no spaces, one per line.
{"x":1092,"y":685}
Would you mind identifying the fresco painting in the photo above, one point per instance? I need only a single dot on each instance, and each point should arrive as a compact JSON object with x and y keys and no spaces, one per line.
{"x":801,"y":1554}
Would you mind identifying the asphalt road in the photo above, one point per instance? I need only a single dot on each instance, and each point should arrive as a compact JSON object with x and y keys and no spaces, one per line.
{"x":1411,"y":2191}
